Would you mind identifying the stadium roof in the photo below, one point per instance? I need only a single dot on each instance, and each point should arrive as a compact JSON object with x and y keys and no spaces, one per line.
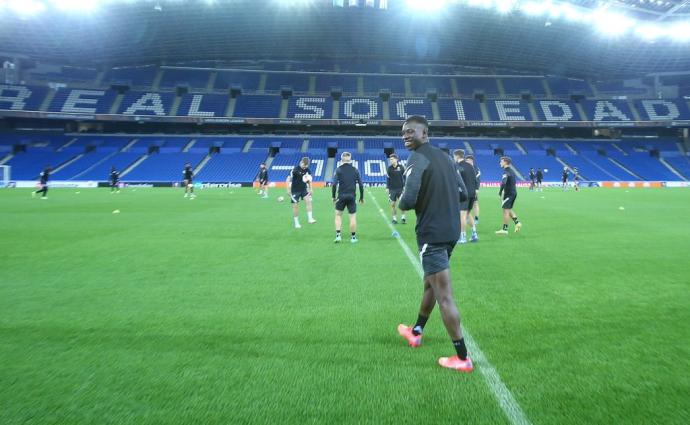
{"x":144,"y":32}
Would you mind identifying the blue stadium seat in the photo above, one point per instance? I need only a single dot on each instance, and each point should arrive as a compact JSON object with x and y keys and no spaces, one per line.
{"x":450,"y":109}
{"x":326,"y":82}
{"x":373,"y":84}
{"x":361,"y":108}
{"x":666,"y":109}
{"x":163,"y":167}
{"x":206,"y":105}
{"x":283,"y":163}
{"x":422,"y":85}
{"x":257,"y":106}
{"x":22,"y":98}
{"x":233,"y":167}
{"x":517,"y":86}
{"x":509,"y":110}
{"x":139,"y":77}
{"x":557,"y":110}
{"x":607,"y":110}
{"x":193,"y":78}
{"x":83,"y":101}
{"x":146,"y":103}
{"x":247,"y":81}
{"x":468,"y":86}
{"x":101,"y":171}
{"x":402,"y":108}
{"x":298,"y":82}
{"x":310,"y":107}
{"x":564,"y":87}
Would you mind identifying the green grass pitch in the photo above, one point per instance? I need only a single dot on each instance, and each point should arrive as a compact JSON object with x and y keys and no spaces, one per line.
{"x":217,"y":311}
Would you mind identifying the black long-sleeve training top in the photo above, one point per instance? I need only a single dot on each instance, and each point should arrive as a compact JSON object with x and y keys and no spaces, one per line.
{"x":469,"y":177}
{"x":347,"y":179}
{"x":434,"y":189}
{"x":508,"y":186}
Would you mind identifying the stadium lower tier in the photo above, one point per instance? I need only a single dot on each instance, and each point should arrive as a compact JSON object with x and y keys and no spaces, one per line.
{"x":236,"y":159}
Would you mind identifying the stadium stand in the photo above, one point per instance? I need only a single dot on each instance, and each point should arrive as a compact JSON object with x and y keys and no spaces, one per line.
{"x":400,"y":109}
{"x":564,"y":87}
{"x":450,"y":109}
{"x":21,"y":98}
{"x":361,"y":108}
{"x":193,"y":78}
{"x":206,"y":105}
{"x":146,"y":103}
{"x":232,"y":167}
{"x":138,"y":77}
{"x":247,"y":81}
{"x":299,"y":83}
{"x":163,"y":167}
{"x":257,"y":106}
{"x":423,"y":85}
{"x":310,"y":107}
{"x":325,"y":83}
{"x":468,"y":86}
{"x":518,"y":86}
{"x":82,"y":101}
{"x":374,"y":84}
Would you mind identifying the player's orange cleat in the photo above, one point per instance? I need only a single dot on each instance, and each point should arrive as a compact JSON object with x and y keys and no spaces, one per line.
{"x":412,"y":339}
{"x":457,"y":364}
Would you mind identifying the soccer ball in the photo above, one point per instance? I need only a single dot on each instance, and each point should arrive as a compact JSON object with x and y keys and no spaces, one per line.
{"x":281,"y":199}
{"x":306,"y":178}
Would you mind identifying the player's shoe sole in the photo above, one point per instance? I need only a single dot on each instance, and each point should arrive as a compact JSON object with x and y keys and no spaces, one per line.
{"x":354,"y":240}
{"x":456,"y":364}
{"x":338,"y":239}
{"x":297,"y":226}
{"x":412,"y":339}
{"x":312,"y":221}
{"x":475,"y":238}
{"x":501,"y":232}
{"x":404,"y":221}
{"x":518,"y":227}
{"x":394,"y":221}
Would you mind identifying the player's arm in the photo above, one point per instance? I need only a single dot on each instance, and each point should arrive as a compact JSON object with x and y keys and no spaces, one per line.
{"x":388,"y":179}
{"x":336,"y":180}
{"x":503,"y":184}
{"x":361,"y":187}
{"x":416,"y":166}
{"x":288,"y":182}
{"x":402,"y":169}
{"x":462,"y":188}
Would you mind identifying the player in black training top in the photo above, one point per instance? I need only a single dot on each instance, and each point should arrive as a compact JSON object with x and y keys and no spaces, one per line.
{"x":262,"y":178}
{"x":395,"y":181}
{"x":434,"y":189}
{"x":469,"y":177}
{"x":298,"y":188}
{"x":345,"y":182}
{"x":478,"y":182}
{"x":532,"y":179}
{"x":576,"y":179}
{"x":508,"y":194}
{"x":564,"y":178}
{"x":188,"y":177}
{"x":114,"y":180}
{"x":540,"y":178}
{"x":43,"y":183}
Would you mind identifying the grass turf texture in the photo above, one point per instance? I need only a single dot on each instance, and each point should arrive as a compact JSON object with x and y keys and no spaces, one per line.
{"x":216,"y":311}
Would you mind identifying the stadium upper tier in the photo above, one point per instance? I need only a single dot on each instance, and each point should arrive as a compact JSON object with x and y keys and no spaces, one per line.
{"x":399,"y":80}
{"x":236,"y":159}
{"x":293,"y":106}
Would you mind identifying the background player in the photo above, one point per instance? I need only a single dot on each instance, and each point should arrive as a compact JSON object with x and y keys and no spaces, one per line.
{"x":565,"y":178}
{"x":532,"y":179}
{"x":508,"y":194}
{"x":395,"y":181}
{"x":576,"y":180}
{"x":298,"y":188}
{"x":345,"y":181}
{"x":188,"y":176}
{"x":540,"y":179}
{"x":470,"y":158}
{"x":262,"y":178}
{"x":469,"y":178}
{"x":434,"y":189}
{"x":114,"y":180}
{"x":43,"y":182}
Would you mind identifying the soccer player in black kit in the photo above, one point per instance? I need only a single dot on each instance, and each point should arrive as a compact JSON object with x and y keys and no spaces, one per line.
{"x":114,"y":180}
{"x":43,"y":182}
{"x":508,"y":194}
{"x":540,"y":178}
{"x":565,"y":178}
{"x":345,"y":182}
{"x":469,"y":177}
{"x":262,"y":177}
{"x":434,"y":189}
{"x":395,"y":181}
{"x":532,"y":178}
{"x":299,"y":187}
{"x":188,"y":176}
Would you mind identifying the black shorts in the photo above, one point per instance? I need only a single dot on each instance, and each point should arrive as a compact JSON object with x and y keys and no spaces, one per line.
{"x":468,"y":204}
{"x":295,"y":197}
{"x":394,"y":194}
{"x":564,"y":181}
{"x":435,"y":257}
{"x":348,"y":201}
{"x":187,"y":182}
{"x":114,"y":183}
{"x":538,"y":181}
{"x":508,"y":202}
{"x":263,"y":182}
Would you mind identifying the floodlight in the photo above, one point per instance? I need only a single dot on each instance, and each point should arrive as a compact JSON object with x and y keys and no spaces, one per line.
{"x":611,"y":23}
{"x":26,"y":7}
{"x":429,"y":5}
{"x":505,"y":6}
{"x":679,"y":31}
{"x":534,"y":8}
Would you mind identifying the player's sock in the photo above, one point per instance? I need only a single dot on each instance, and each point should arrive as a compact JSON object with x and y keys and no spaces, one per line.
{"x":309,"y":216}
{"x":395,"y":218}
{"x":505,"y":227}
{"x":402,"y":216}
{"x":337,"y":232}
{"x":419,"y":326}
{"x":476,"y":218}
{"x":474,"y":229}
{"x":515,"y":220}
{"x":296,"y":221}
{"x":460,"y":348}
{"x":353,"y":235}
